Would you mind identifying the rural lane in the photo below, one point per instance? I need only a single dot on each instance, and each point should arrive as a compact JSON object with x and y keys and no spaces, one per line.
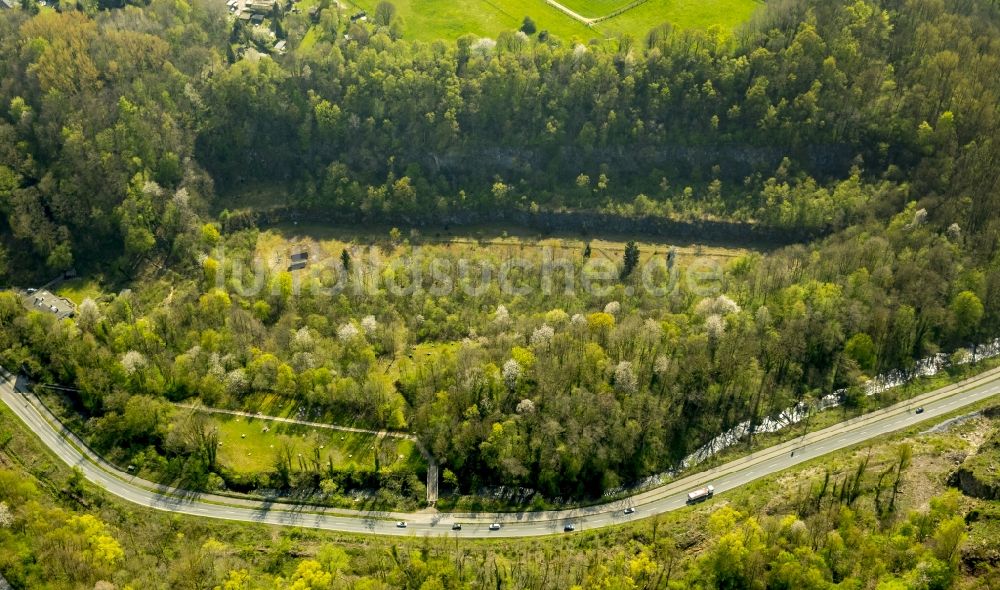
{"x":671,"y":496}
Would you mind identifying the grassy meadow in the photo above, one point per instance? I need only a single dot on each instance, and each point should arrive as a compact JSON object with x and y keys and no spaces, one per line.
{"x":428,"y":20}
{"x":251,"y":445}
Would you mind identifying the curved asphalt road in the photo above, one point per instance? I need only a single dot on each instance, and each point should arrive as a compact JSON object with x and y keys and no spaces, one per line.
{"x":514,"y":524}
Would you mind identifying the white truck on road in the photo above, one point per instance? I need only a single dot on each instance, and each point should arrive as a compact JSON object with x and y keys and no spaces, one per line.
{"x":700,"y":495}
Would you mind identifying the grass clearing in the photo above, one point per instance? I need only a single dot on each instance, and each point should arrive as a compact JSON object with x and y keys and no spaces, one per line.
{"x":275,"y":245}
{"x":246,"y":447}
{"x":76,"y":290}
{"x":310,"y":38}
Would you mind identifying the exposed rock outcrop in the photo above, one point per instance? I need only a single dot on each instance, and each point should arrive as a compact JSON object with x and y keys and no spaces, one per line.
{"x":979,"y":474}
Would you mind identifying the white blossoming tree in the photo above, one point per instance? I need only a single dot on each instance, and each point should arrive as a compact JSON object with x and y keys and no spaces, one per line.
{"x":501,"y":317}
{"x":181,"y":197}
{"x":720,"y":305}
{"x":483,"y":48}
{"x":133,"y":362}
{"x":511,"y":373}
{"x":625,"y":379}
{"x":215,"y":367}
{"x":237,"y":382}
{"x":88,"y":315}
{"x":715,"y":326}
{"x":347,"y":332}
{"x":542,"y":336}
{"x":303,"y":339}
{"x":525,"y":406}
{"x":369,"y":324}
{"x":303,"y":361}
{"x":6,"y":516}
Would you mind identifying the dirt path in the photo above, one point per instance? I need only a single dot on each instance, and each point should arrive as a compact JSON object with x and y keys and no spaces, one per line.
{"x":574,"y":15}
{"x":590,"y":22}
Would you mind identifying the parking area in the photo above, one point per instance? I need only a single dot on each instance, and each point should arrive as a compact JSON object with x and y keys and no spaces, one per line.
{"x":44,"y":300}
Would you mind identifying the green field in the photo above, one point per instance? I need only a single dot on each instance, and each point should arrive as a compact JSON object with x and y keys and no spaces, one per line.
{"x":76,"y":290}
{"x":443,"y":19}
{"x":686,"y":14}
{"x":245,"y":447}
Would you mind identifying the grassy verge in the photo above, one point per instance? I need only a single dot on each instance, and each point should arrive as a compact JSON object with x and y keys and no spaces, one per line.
{"x":22,"y":451}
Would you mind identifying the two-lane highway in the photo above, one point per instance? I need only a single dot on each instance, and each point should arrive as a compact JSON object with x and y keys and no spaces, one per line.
{"x":669,"y":497}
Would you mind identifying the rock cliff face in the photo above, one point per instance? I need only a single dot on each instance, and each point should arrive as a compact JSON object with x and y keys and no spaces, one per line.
{"x":971,"y":485}
{"x":979,"y":475}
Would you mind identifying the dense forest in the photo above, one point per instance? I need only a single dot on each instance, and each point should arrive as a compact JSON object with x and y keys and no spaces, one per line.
{"x":124,"y":131}
{"x":764,"y":125}
{"x":144,"y":145}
